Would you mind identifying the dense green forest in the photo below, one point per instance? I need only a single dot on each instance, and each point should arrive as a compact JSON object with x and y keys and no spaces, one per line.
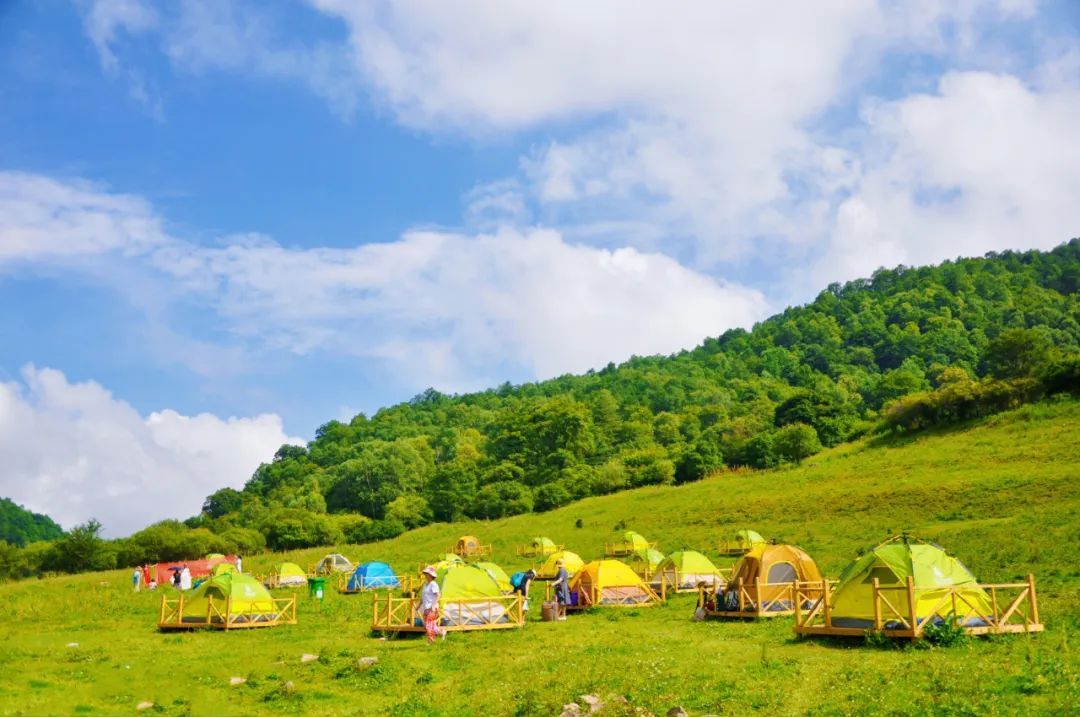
{"x":953,"y":341}
{"x":19,"y":526}
{"x":906,"y":348}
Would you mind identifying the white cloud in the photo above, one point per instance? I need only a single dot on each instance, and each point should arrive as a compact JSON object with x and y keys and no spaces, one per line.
{"x":447,"y":308}
{"x":986,"y":163}
{"x":73,"y":451}
{"x":225,"y":35}
{"x":232,"y":36}
{"x":102,"y":19}
{"x":453,"y":310}
{"x":41,"y":217}
{"x":699,"y":115}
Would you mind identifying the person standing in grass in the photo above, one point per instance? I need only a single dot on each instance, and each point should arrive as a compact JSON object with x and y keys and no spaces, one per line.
{"x":136,"y":579}
{"x":561,"y":584}
{"x":146,"y":574}
{"x":429,"y":604}
{"x":239,"y":565}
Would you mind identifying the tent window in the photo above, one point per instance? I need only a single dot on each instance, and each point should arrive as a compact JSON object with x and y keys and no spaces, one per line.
{"x":782,"y":573}
{"x":883,"y":574}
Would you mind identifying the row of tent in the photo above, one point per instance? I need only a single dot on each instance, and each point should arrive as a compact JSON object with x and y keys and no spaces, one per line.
{"x":918,"y":581}
{"x":365,"y":576}
{"x":767,"y":580}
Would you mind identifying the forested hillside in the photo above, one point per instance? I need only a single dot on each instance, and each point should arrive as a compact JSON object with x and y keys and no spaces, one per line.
{"x":19,"y":526}
{"x":962,"y":339}
{"x":901,"y":350}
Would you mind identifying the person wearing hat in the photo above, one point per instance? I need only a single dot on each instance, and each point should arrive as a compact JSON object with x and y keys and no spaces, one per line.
{"x":429,"y":604}
{"x":561,"y":584}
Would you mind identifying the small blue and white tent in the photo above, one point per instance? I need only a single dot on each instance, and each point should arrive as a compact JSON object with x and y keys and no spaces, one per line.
{"x":372,"y":576}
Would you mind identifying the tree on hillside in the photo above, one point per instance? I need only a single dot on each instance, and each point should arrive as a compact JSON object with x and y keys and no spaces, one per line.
{"x":19,"y":526}
{"x":1018,"y":352}
{"x":795,"y":442}
{"x":81,"y":548}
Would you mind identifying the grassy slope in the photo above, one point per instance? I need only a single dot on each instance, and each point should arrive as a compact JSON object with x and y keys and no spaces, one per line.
{"x":1003,"y":495}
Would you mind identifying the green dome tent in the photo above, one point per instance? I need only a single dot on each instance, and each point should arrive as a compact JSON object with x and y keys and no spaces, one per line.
{"x":227,"y":601}
{"x":538,"y":547}
{"x":645,"y":562}
{"x":222,"y":569}
{"x":468,"y":595}
{"x":740,"y":542}
{"x":686,"y":569}
{"x":934,"y":573}
{"x":631,"y":543}
{"x":497,"y":574}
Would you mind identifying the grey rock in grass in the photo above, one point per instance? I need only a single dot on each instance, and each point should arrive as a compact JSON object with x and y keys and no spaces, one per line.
{"x":73,"y":644}
{"x":572,"y":710}
{"x":288,"y":688}
{"x":234,"y":681}
{"x":677,"y":711}
{"x":365,"y":662}
{"x":308,"y":657}
{"x":145,"y":705}
{"x":594,"y":703}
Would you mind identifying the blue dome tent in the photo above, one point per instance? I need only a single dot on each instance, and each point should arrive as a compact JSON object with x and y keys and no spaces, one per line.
{"x":373,"y":576}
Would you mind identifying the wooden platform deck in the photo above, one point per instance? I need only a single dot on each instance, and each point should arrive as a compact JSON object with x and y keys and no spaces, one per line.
{"x":1014,"y":608}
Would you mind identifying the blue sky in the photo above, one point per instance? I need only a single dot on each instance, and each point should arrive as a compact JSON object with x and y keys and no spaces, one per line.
{"x":224,"y":223}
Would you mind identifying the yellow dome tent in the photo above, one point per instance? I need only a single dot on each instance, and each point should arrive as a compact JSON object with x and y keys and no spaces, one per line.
{"x":469,"y":546}
{"x":609,"y":583}
{"x":286,"y":575}
{"x":571,"y":561}
{"x":769,"y":581}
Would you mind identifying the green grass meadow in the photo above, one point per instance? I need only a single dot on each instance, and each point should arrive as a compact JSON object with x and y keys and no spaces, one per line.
{"x":1003,"y":495}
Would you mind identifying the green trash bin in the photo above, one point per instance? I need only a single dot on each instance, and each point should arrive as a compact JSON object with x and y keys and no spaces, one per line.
{"x":316,"y":587}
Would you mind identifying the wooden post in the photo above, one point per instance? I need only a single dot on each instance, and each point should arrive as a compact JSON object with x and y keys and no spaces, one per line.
{"x":757,"y":596}
{"x":1034,"y":601}
{"x":798,"y":606}
{"x":952,"y":594}
{"x":825,"y":604}
{"x":994,"y":607}
{"x":876,"y":585}
{"x":738,"y":587}
{"x":916,"y":628}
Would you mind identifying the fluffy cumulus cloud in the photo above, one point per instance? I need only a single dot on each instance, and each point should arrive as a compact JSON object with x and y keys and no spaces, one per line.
{"x":453,"y":306}
{"x":451,"y":309}
{"x":200,"y":36}
{"x":704,"y":122}
{"x":74,"y":451}
{"x":42,"y":218}
{"x":984,"y":163}
{"x":718,"y":133}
